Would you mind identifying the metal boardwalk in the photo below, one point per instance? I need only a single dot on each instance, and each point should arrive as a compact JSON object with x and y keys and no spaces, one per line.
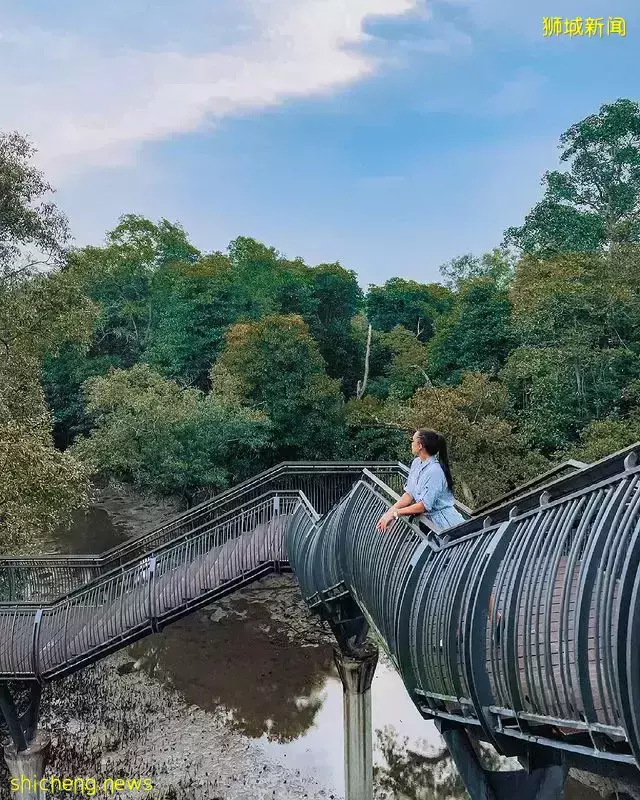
{"x":521,"y":624}
{"x":58,"y":614}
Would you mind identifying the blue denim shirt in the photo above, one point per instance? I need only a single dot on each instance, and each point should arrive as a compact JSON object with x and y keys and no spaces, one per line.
{"x":427,"y":482}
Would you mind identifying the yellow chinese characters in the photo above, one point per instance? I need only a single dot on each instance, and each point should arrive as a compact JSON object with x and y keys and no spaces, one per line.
{"x":578,"y":26}
{"x":617,"y":25}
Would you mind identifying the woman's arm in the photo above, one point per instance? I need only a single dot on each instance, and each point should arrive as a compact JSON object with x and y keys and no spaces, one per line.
{"x":410,"y":510}
{"x":404,"y":501}
{"x":401,"y":507}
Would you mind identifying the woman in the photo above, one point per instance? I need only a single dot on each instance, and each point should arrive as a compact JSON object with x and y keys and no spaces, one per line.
{"x":429,"y":487}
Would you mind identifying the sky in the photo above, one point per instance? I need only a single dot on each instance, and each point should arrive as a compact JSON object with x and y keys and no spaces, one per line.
{"x":388,"y":135}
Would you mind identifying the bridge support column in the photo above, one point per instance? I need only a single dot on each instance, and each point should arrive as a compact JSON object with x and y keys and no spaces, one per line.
{"x":356,"y":673}
{"x":544,"y":783}
{"x":26,"y":767}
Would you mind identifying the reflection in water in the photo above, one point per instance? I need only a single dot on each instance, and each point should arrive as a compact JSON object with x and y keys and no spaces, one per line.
{"x":244,"y":665}
{"x":408,"y":774}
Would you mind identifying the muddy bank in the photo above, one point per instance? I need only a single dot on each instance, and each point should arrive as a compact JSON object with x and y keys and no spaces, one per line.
{"x":115,"y":514}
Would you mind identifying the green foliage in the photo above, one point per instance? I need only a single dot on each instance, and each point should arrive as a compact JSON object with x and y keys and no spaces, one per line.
{"x":496,"y":266}
{"x":194,"y":306}
{"x":372,"y":435}
{"x":488,"y":457}
{"x":605,"y":436}
{"x":475,"y":336}
{"x":63,"y":374}
{"x":596,"y":202}
{"x":399,"y":364}
{"x":413,"y":305}
{"x":578,"y":320}
{"x":38,"y":313}
{"x":150,"y":432}
{"x":275,"y":365}
{"x":560,"y":389}
{"x":119,"y":278}
{"x":338,"y":300}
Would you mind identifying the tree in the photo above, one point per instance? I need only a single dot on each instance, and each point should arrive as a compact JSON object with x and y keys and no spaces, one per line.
{"x":488,"y":457}
{"x":596,"y":201}
{"x":274,"y":365}
{"x":602,"y":437}
{"x":475,"y":336}
{"x":159,"y":437}
{"x":559,"y":390}
{"x":195,"y":304}
{"x":38,"y":312}
{"x":413,"y":305}
{"x":372,"y":435}
{"x":577,"y":318}
{"x":119,"y":277}
{"x":338,"y":298}
{"x":496,"y":266}
{"x":405,"y":365}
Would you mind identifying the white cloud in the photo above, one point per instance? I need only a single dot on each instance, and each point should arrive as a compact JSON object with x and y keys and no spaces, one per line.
{"x":86,"y":106}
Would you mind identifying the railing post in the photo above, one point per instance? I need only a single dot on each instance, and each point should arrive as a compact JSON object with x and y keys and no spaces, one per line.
{"x":27,"y":766}
{"x":278,"y":533}
{"x":152,"y":606}
{"x":356,"y":674}
{"x":35,"y":644}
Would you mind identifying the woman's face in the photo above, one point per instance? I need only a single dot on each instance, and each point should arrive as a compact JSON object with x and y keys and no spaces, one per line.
{"x":416,"y":447}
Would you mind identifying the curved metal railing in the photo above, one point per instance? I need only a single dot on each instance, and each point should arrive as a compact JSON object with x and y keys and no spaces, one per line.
{"x":46,"y":577}
{"x":524,"y":622}
{"x":46,"y":641}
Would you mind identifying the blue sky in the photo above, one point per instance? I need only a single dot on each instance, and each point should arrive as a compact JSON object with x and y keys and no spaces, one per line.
{"x":391,"y":135}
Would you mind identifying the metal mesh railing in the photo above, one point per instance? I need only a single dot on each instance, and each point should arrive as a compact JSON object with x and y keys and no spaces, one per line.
{"x":523,"y":621}
{"x":43,"y":578}
{"x":49,"y":640}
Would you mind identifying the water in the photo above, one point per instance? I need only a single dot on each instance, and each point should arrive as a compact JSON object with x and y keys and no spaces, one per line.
{"x":244,"y":693}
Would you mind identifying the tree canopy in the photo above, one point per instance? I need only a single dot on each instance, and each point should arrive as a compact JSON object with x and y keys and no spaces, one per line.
{"x":181,"y":371}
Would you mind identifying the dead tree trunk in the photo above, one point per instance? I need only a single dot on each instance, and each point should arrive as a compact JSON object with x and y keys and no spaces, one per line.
{"x":362,"y":385}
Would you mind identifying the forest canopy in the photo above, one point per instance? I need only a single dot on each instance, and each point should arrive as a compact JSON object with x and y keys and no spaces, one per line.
{"x":181,"y":372}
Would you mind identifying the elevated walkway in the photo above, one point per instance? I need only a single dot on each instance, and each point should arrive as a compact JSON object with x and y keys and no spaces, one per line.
{"x":521,"y":624}
{"x":59,"y":614}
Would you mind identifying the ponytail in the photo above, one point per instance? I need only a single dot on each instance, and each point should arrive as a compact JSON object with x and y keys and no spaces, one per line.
{"x":444,"y":462}
{"x":435,"y":444}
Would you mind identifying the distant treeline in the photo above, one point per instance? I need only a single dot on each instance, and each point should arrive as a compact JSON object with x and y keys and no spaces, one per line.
{"x":180,"y":371}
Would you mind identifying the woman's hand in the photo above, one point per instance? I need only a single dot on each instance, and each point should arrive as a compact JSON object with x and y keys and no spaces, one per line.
{"x":383,"y":522}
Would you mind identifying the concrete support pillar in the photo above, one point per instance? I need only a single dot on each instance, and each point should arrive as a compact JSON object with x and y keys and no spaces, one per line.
{"x":28,"y":764}
{"x":356,"y":674}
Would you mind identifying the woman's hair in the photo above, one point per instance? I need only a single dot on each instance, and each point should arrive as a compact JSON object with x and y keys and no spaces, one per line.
{"x":435,"y":444}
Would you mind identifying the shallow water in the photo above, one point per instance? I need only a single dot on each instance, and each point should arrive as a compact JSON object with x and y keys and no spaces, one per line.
{"x":254,"y":675}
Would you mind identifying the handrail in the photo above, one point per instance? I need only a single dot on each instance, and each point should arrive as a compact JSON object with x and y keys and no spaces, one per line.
{"x":229,"y":496}
{"x":253,"y":483}
{"x":534,"y":482}
{"x":525,"y":626}
{"x":421,"y":519}
{"x":109,"y":573}
{"x":560,"y":487}
{"x":52,"y":639}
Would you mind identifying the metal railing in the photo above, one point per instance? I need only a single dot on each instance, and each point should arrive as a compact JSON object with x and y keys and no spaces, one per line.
{"x":523,"y":623}
{"x":43,"y":578}
{"x":45,"y":641}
